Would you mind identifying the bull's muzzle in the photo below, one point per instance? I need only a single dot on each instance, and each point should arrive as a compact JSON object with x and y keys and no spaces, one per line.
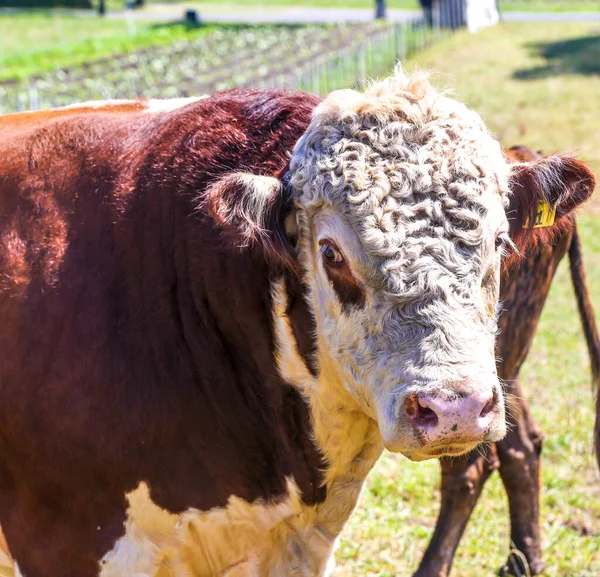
{"x":450,"y":421}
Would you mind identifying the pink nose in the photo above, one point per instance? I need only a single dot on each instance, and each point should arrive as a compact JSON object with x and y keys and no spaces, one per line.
{"x":452,"y":420}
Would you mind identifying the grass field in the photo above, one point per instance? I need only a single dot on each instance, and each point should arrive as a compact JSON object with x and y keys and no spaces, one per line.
{"x":550,"y":5}
{"x":537,"y":85}
{"x":38,"y":41}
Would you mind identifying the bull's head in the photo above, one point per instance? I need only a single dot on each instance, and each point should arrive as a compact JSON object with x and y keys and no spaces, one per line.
{"x":400,"y":211}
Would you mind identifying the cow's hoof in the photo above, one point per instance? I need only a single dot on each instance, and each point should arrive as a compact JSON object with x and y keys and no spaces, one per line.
{"x":518,"y":566}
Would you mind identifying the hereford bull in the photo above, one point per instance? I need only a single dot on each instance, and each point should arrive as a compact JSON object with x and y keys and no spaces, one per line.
{"x":517,"y":457}
{"x":213,"y":318}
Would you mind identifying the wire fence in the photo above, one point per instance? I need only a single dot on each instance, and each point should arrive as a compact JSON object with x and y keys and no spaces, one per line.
{"x":373,"y":53}
{"x":316,"y":59}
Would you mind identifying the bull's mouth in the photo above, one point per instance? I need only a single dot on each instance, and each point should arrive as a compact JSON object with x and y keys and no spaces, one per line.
{"x":435,"y":452}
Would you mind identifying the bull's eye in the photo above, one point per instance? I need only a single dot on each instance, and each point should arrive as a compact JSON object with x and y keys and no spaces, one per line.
{"x":330,"y":253}
{"x":343,"y":282}
{"x":504,"y":242}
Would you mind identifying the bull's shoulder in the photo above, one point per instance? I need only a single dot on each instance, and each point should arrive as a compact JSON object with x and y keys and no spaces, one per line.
{"x":244,"y":130}
{"x":55,"y":166}
{"x":68,"y":174}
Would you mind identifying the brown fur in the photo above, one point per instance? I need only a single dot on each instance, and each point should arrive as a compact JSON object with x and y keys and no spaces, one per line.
{"x":561,"y":181}
{"x":586,"y":312}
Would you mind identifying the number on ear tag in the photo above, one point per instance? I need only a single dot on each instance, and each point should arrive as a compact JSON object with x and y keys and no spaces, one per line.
{"x":544,"y":215}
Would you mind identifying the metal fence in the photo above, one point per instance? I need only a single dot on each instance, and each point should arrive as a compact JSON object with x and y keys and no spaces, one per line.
{"x":372,"y":55}
{"x":316,"y":59}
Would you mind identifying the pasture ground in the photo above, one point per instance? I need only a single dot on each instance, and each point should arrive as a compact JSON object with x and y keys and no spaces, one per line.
{"x":537,"y":85}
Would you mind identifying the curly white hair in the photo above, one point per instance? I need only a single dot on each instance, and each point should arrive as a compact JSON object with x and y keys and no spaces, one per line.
{"x":408,"y":167}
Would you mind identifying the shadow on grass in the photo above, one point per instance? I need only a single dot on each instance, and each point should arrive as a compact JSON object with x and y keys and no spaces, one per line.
{"x":574,"y":56}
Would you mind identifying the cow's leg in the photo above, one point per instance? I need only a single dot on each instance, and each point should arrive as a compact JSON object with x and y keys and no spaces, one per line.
{"x":462,"y":481}
{"x":520,"y":468}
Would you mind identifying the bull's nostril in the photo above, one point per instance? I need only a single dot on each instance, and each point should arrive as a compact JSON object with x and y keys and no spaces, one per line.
{"x":489,"y":406}
{"x":420,"y":412}
{"x":426,"y":414}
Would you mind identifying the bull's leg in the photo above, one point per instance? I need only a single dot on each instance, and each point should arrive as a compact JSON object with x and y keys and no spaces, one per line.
{"x":462,"y":481}
{"x":520,"y":469}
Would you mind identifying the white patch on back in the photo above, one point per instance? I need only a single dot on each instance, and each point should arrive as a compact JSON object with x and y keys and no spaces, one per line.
{"x":157,"y":105}
{"x":99,"y":104}
{"x":148,"y":106}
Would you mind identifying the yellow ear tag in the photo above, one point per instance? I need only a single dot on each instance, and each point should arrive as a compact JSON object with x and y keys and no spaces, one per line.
{"x":544,"y":216}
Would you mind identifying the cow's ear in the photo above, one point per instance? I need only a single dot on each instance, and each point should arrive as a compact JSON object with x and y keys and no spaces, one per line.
{"x":544,"y":195}
{"x":252,"y":211}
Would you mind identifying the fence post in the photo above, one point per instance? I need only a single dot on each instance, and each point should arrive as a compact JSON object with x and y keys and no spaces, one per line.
{"x":20,"y":106}
{"x":380,"y":9}
{"x":34,"y":99}
{"x":403,"y":38}
{"x":362,"y":69}
{"x":315,"y":80}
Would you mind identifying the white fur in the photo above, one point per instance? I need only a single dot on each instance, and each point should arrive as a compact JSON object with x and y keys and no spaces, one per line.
{"x":157,"y":105}
{"x":149,"y":106}
{"x":98,"y":104}
{"x":235,"y":540}
{"x":411,"y":187}
{"x":8,"y":567}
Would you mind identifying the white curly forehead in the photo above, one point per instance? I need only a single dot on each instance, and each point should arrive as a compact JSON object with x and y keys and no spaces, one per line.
{"x":413,"y":172}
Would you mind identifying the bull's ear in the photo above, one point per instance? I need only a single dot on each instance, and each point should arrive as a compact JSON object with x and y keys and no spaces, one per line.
{"x":544,"y":195}
{"x":252,"y":211}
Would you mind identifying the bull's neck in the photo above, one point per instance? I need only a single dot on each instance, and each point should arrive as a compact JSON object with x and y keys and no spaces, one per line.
{"x":348,"y":439}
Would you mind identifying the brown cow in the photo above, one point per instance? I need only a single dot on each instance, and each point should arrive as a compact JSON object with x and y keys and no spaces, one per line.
{"x":213,"y":319}
{"x":517,"y":457}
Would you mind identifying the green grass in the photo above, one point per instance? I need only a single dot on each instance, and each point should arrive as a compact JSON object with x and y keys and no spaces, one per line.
{"x":549,"y":5}
{"x":534,"y":84}
{"x":553,"y":110}
{"x":39,"y":41}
